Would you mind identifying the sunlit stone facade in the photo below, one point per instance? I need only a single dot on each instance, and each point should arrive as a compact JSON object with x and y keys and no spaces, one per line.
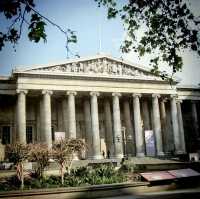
{"x":109,"y":103}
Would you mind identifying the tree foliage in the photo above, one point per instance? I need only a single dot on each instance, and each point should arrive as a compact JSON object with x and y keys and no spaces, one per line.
{"x":18,"y":154}
{"x":170,"y":27}
{"x":40,"y":154}
{"x":63,"y":153}
{"x":20,"y":12}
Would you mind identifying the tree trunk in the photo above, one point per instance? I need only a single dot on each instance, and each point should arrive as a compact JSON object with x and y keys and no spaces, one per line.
{"x":22,"y":175}
{"x":62,"y":173}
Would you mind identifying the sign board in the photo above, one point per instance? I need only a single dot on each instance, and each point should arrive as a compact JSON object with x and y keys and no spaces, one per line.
{"x":169,"y":175}
{"x":150,"y":143}
{"x":59,"y":136}
{"x":182,"y":173}
{"x":157,"y":175}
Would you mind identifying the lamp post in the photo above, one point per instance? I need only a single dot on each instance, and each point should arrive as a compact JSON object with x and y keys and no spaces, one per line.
{"x":123,"y":129}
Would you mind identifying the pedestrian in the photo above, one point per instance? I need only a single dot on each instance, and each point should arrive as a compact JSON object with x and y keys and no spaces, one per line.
{"x":103,"y":153}
{"x":108,"y":154}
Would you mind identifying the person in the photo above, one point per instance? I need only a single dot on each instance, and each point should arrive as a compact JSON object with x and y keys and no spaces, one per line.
{"x":103,"y":153}
{"x":108,"y":154}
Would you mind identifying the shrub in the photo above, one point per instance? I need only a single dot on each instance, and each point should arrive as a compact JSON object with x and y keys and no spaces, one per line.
{"x":52,"y":180}
{"x":18,"y":154}
{"x":40,"y":154}
{"x":33,"y":183}
{"x":101,"y":174}
{"x":63,"y":152}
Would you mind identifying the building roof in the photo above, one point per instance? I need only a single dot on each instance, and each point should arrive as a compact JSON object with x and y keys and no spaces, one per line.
{"x":98,"y":66}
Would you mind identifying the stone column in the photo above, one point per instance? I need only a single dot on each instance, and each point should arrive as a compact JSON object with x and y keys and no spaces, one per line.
{"x":59,"y":116}
{"x":21,"y":116}
{"x":38,"y":121}
{"x":195,"y":118}
{"x":65,"y":116}
{"x":95,"y":126}
{"x":88,"y":128}
{"x":117,"y":129}
{"x":181,"y":129}
{"x":108,"y":126}
{"x":146,"y":115}
{"x":130,"y":148}
{"x":163,"y":118}
{"x":177,"y":138}
{"x":71,"y":114}
{"x":46,"y":121}
{"x":139,"y":137}
{"x":157,"y":125}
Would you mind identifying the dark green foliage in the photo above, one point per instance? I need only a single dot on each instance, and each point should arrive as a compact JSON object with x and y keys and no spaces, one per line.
{"x":37,"y":29}
{"x":17,"y":153}
{"x":102,"y":174}
{"x":10,"y":183}
{"x":18,"y":12}
{"x":170,"y":26}
{"x":32,"y":183}
{"x":53,"y":180}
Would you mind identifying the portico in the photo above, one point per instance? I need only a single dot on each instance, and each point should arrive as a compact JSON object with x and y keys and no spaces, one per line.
{"x":94,"y":99}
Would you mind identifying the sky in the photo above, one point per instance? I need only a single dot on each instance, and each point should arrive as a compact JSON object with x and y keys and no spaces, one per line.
{"x":91,"y":26}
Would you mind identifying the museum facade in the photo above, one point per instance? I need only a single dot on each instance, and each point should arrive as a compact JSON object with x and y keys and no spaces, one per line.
{"x":118,"y":108}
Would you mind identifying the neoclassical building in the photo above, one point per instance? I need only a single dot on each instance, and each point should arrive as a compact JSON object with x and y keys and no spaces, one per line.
{"x":113,"y":105}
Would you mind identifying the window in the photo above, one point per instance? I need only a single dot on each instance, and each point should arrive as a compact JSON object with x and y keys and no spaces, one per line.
{"x":29,"y":134}
{"x":6,"y":135}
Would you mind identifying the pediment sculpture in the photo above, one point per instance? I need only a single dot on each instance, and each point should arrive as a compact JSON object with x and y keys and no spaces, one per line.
{"x":103,"y":66}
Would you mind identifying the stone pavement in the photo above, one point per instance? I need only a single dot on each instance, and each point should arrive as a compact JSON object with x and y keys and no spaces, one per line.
{"x":152,"y":160}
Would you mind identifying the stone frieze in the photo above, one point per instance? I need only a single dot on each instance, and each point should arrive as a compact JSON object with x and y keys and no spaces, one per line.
{"x":104,"y":67}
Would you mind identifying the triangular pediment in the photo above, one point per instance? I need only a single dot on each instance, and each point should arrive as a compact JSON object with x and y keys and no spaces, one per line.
{"x":99,"y":67}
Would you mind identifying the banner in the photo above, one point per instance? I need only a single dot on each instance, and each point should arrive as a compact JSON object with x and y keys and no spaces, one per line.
{"x":150,"y":143}
{"x":59,"y":136}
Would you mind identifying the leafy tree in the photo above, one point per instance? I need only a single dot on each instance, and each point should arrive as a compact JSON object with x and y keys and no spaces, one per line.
{"x":19,"y":12}
{"x":63,"y":153}
{"x":18,"y":154}
{"x":170,"y":27}
{"x":40,"y":154}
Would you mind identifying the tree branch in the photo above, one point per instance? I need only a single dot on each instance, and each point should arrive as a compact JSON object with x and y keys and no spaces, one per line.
{"x":21,"y":24}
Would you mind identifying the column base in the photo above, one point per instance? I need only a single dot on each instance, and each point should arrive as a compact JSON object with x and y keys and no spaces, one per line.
{"x":161,"y":154}
{"x":118,"y":156}
{"x":140,"y":155}
{"x":95,"y":157}
{"x":179,"y":152}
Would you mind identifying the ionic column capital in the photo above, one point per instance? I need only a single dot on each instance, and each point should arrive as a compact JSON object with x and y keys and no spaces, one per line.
{"x":18,"y":91}
{"x":116,"y":94}
{"x":156,"y":95}
{"x":179,"y":101}
{"x":44,"y":92}
{"x":164,"y":99}
{"x":174,"y":96}
{"x":136,"y":95}
{"x":74,"y":93}
{"x":94,"y":93}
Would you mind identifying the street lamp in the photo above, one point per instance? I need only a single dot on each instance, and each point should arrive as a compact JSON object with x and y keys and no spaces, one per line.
{"x":123,"y":129}
{"x":118,"y":138}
